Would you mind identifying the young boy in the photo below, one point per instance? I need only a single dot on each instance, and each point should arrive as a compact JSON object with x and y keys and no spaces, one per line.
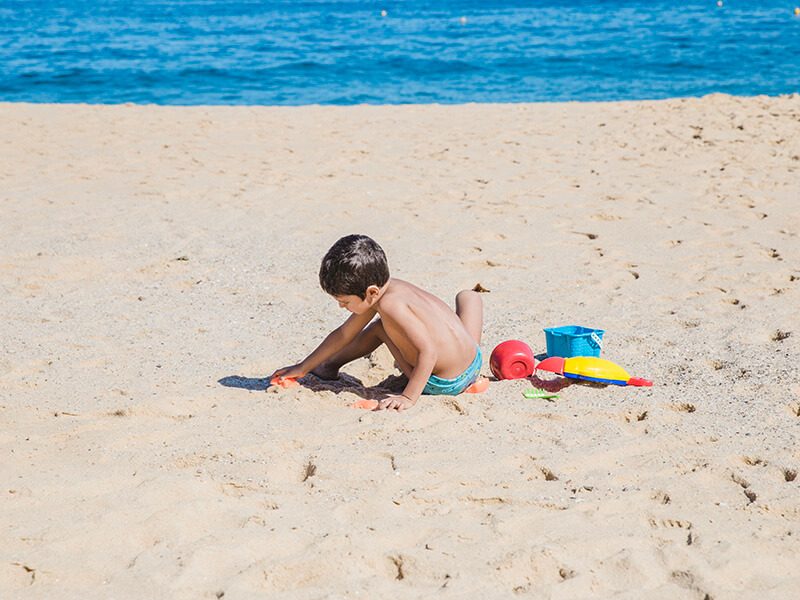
{"x":436,"y":348}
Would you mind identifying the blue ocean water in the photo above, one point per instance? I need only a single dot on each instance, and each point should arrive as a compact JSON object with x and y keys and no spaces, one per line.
{"x":290,"y":52}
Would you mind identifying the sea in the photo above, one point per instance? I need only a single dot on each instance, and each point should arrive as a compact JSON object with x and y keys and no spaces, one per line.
{"x":290,"y":52}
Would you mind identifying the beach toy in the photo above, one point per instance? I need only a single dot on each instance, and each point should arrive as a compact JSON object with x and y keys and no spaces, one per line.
{"x":365,"y":404}
{"x":539,"y":393}
{"x":481,"y":385}
{"x":590,"y":368}
{"x":284,"y":382}
{"x":512,"y":360}
{"x":573,"y":340}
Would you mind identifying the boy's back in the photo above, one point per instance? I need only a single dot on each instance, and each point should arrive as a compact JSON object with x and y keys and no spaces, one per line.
{"x":415,"y":319}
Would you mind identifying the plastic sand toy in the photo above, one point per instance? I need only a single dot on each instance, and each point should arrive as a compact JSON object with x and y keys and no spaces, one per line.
{"x":533,"y":393}
{"x":573,"y":340}
{"x":284,"y":382}
{"x":365,"y":404}
{"x":512,"y":359}
{"x":590,"y":368}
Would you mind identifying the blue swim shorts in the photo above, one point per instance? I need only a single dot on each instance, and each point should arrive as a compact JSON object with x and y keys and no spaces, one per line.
{"x":451,"y":387}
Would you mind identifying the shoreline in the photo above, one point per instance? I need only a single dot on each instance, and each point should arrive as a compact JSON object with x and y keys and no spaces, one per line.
{"x":707,"y":96}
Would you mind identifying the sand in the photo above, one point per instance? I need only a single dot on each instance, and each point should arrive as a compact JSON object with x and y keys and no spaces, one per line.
{"x":158,"y":263}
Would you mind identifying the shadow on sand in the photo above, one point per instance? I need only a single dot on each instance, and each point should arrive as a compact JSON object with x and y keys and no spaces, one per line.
{"x":393,"y":384}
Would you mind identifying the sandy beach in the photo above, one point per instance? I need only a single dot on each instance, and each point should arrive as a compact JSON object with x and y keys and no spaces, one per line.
{"x":158,"y":263}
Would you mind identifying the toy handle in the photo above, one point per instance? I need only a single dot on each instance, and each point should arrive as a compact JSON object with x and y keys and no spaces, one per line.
{"x":596,"y":339}
{"x":639,"y":382}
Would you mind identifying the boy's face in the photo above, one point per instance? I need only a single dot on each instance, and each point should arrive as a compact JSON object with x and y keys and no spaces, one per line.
{"x":357,"y":305}
{"x":352,"y":303}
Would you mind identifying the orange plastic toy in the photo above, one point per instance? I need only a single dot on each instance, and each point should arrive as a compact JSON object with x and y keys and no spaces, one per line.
{"x":284,"y":382}
{"x":481,"y":385}
{"x":365,"y":404}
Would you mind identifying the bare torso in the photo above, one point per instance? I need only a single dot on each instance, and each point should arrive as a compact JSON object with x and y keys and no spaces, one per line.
{"x":454,"y":346}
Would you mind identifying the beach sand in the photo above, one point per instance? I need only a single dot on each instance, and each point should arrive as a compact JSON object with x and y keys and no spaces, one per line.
{"x":158,"y":263}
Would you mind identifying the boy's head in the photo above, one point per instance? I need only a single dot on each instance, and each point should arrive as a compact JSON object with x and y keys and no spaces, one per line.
{"x":353,"y":264}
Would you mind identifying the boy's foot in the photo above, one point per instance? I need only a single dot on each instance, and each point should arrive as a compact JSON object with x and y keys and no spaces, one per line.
{"x":326,"y":371}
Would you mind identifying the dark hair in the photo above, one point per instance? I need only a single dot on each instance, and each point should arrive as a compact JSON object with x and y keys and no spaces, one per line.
{"x":353,"y":263}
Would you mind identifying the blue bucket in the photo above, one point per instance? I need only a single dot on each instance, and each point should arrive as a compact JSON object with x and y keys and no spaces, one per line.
{"x":573,"y":340}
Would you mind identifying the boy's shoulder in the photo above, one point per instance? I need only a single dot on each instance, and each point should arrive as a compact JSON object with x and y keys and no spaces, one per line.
{"x":403,"y":287}
{"x":400,"y":294}
{"x":395,"y":294}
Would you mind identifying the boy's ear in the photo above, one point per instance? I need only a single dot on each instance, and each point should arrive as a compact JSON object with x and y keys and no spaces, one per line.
{"x":372,"y":292}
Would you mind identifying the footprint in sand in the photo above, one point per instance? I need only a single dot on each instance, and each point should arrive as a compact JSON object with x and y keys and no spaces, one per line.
{"x":740,"y":480}
{"x":670,"y":524}
{"x":662,"y":497}
{"x":687,"y":580}
{"x":548,"y":474}
{"x":392,"y":461}
{"x":749,"y":493}
{"x":780,"y":335}
{"x":397,"y":563}
{"x":633,"y":417}
{"x":674,"y":525}
{"x":309,"y":470}
{"x":718,"y":365}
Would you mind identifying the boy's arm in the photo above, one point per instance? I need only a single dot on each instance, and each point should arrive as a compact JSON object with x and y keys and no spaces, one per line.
{"x":419,"y":337}
{"x":333,"y":342}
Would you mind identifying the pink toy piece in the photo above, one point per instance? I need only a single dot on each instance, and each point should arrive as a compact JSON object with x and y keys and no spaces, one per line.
{"x":553,"y":364}
{"x":512,"y":359}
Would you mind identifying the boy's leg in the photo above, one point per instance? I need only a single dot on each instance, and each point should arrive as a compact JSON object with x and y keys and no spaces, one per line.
{"x":469,"y":308}
{"x":364,"y":343}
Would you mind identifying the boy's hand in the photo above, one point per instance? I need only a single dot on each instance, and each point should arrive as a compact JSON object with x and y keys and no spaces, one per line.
{"x":397,"y":403}
{"x":293,"y":372}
